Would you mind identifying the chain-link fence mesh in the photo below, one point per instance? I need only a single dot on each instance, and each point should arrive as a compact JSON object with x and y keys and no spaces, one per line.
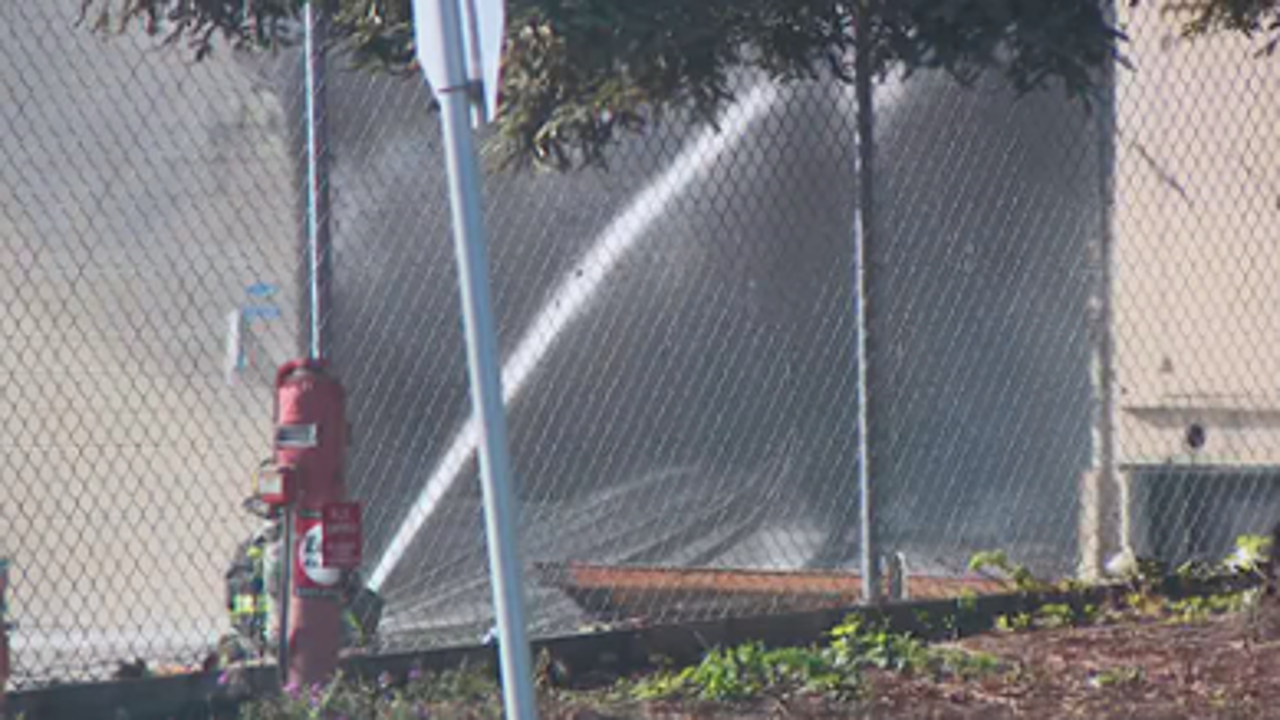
{"x":1197,"y":197}
{"x":679,"y":335}
{"x":139,"y":199}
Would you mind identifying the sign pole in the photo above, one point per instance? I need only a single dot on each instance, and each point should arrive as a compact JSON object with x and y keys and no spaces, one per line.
{"x":440,"y":39}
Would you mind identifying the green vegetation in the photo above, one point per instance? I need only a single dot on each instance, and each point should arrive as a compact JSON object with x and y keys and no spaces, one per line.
{"x":579,"y":74}
{"x":1143,"y":600}
{"x":1019,"y":575}
{"x":835,"y":669}
{"x":1050,"y":617}
{"x":846,"y":666}
{"x":752,"y":670}
{"x":1122,"y":676}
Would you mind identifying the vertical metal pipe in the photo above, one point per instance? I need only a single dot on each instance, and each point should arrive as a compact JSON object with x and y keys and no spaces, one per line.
{"x":319,"y":254}
{"x":864,"y":81}
{"x":286,"y":589}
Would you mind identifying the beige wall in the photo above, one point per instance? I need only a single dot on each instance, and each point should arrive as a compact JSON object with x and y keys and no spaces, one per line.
{"x":138,"y":198}
{"x":1198,"y":244}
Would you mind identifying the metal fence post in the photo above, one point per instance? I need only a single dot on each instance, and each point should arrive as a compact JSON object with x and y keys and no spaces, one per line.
{"x":864,"y":80}
{"x":1102,"y":485}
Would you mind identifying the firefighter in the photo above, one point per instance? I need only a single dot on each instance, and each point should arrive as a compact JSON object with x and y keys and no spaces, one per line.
{"x":361,"y":612}
{"x":248,"y":597}
{"x":254,"y":583}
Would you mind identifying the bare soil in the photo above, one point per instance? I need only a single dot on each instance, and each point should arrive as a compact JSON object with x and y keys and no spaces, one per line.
{"x":1219,"y":667}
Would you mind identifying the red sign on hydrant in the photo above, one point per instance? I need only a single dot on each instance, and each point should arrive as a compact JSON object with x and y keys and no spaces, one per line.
{"x":342,"y":539}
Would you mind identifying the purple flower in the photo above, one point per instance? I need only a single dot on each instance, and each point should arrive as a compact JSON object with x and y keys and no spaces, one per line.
{"x":415,"y":674}
{"x":292,"y":690}
{"x":223,"y":679}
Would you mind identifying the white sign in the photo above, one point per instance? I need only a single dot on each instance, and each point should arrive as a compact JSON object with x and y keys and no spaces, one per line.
{"x":483,"y":24}
{"x":236,"y":356}
{"x":311,"y":559}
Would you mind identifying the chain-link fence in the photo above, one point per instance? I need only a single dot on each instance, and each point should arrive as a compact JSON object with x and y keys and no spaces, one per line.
{"x":1197,"y":199}
{"x":140,"y":199}
{"x":1054,"y":298}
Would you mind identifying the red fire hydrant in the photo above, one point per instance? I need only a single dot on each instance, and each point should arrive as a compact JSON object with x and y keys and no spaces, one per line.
{"x":311,"y":443}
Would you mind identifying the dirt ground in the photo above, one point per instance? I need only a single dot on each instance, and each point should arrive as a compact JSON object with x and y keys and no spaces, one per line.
{"x":1134,"y":654}
{"x":1217,"y":667}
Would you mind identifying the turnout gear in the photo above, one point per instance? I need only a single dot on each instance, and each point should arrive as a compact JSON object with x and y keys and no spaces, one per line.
{"x":253,"y":590}
{"x":249,"y":600}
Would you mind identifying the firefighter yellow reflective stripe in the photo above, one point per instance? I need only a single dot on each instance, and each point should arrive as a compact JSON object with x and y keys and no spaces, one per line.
{"x":354,"y":628}
{"x":245,"y":605}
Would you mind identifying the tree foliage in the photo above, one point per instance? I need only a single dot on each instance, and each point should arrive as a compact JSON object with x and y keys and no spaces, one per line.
{"x":1251,"y":17}
{"x":578,"y":72}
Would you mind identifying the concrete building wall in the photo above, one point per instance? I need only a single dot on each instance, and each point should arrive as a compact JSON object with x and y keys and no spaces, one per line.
{"x":139,"y":196}
{"x":1197,"y":205}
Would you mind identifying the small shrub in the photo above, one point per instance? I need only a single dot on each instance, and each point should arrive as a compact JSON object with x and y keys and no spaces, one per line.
{"x":1021,"y":577}
{"x":748,"y":671}
{"x":1017,"y":622}
{"x":1250,"y":555}
{"x":967,"y":664}
{"x":1122,"y":676}
{"x":1200,"y":608}
{"x":858,"y":646}
{"x":752,"y":670}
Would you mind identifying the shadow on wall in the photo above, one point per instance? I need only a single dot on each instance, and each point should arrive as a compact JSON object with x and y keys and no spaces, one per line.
{"x":699,"y":408}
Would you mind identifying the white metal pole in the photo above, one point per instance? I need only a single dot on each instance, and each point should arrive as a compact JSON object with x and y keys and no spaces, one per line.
{"x":483,"y":365}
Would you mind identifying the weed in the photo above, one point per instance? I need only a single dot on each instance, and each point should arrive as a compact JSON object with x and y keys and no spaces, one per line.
{"x":966,"y":664}
{"x":1250,"y":555}
{"x":1056,"y":615}
{"x":1050,"y":617}
{"x":746,"y":671}
{"x":1194,"y":570}
{"x":1122,"y":676}
{"x":1021,"y":577}
{"x":751,"y":670}
{"x":1016,"y":622}
{"x":1200,"y":608}
{"x":855,"y":645}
